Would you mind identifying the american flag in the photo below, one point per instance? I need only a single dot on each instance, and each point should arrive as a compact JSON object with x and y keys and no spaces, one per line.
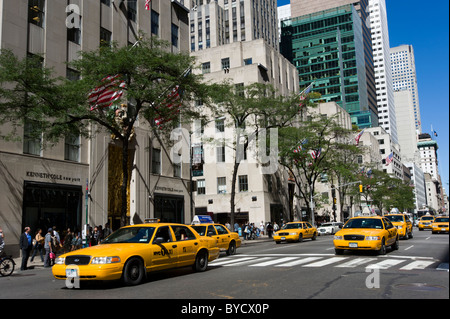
{"x":107,"y":93}
{"x":304,"y":93}
{"x":173,"y":103}
{"x":299,"y":147}
{"x":389,"y":159}
{"x":147,"y":4}
{"x":357,"y":137}
{"x":316,"y":153}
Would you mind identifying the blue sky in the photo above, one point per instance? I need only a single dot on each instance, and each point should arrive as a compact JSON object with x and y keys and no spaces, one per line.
{"x":425,"y":26}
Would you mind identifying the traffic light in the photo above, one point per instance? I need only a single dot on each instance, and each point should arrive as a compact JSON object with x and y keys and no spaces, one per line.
{"x":360,"y":188}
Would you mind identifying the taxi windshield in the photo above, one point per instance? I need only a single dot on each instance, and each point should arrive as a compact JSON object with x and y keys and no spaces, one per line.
{"x":201,"y":230}
{"x":292,"y":226}
{"x":395,"y":218}
{"x":441,"y":220}
{"x":427,"y":218}
{"x":364,"y":223}
{"x":140,"y":235}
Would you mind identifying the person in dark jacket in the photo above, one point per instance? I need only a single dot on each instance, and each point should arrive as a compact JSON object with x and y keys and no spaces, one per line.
{"x":26,"y":244}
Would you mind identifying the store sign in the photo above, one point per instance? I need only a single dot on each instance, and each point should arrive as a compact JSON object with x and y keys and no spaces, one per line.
{"x":53,"y":177}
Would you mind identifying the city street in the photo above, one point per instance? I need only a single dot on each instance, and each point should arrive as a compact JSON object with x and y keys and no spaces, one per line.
{"x":264,"y":270}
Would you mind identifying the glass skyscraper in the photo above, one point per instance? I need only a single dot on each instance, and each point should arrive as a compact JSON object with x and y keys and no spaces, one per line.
{"x":328,"y":48}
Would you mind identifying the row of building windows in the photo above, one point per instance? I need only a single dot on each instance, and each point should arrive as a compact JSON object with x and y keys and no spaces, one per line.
{"x":222,"y":185}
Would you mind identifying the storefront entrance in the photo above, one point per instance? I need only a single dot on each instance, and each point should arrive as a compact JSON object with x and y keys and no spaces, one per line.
{"x":46,"y":205}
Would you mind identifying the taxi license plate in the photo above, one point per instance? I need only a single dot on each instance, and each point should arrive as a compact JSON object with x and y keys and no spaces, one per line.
{"x":443,"y":229}
{"x":283,"y":238}
{"x":71,"y":273}
{"x":353,"y":245}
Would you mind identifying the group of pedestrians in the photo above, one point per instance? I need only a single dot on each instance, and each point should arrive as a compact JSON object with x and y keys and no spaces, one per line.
{"x":48,"y":245}
{"x":251,"y":231}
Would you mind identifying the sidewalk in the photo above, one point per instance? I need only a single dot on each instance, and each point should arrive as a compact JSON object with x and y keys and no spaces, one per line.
{"x":260,"y":239}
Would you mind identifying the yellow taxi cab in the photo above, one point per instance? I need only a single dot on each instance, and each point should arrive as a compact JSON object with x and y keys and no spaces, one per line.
{"x":226,"y":240}
{"x":296,"y":232}
{"x":366,"y":233}
{"x":402,"y":223}
{"x":440,"y":225}
{"x":132,"y":251}
{"x":425,"y":222}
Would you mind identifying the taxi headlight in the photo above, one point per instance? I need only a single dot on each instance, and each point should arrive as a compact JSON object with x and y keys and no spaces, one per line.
{"x":105,"y":260}
{"x":293,"y":234}
{"x":337,"y":237}
{"x":399,"y":227}
{"x":373,"y":238}
{"x":435,"y":226}
{"x":60,"y":261}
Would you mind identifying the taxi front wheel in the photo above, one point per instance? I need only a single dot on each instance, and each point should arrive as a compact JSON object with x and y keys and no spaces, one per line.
{"x":133,"y":272}
{"x":201,"y":261}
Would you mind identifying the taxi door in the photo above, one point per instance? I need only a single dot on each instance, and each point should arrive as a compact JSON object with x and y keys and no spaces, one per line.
{"x":308,"y":231}
{"x":223,"y":237}
{"x":392,"y":231}
{"x":163,"y":250}
{"x":186,"y":244}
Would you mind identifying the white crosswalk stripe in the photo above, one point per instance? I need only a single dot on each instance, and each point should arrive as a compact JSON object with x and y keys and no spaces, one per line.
{"x":318,"y":260}
{"x":418,"y":264}
{"x":273,"y":262}
{"x":325,"y":262}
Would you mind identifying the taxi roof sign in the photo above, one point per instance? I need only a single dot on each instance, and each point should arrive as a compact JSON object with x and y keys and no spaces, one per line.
{"x":202,"y":219}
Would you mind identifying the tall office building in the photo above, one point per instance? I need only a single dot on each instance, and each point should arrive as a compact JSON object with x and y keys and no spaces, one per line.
{"x":330,"y":48}
{"x":218,"y":22}
{"x":404,"y":76}
{"x":237,"y":41}
{"x":382,"y":67}
{"x":44,"y":187}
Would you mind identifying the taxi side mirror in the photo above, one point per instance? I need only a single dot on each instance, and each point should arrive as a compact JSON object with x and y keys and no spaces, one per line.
{"x":158,"y":240}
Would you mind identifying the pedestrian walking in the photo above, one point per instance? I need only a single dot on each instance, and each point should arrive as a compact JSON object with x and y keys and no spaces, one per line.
{"x":38,"y":245}
{"x":107,"y":231}
{"x":25,"y":243}
{"x":76,"y":242}
{"x":48,"y":241}
{"x":269,"y":229}
{"x":67,"y":245}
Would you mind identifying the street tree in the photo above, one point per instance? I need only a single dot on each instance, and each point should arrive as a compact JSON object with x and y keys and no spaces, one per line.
{"x":115,"y":87}
{"x":254,"y":111}
{"x":308,"y":151}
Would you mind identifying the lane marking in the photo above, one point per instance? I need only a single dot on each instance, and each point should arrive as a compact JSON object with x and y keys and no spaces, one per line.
{"x":326,"y":262}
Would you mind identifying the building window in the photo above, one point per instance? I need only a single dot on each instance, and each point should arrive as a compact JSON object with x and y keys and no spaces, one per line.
{"x":201,"y":187}
{"x":225,"y":63}
{"x":74,"y":34}
{"x":155,"y":22}
{"x":221,"y":185}
{"x":243,"y":183}
{"x":132,"y":10}
{"x":36,"y":12}
{"x":72,"y":148}
{"x":107,"y":2}
{"x":156,"y":161}
{"x":206,"y":67}
{"x":176,"y":169}
{"x":31,"y":140}
{"x":220,"y":125}
{"x":105,"y":37}
{"x":220,"y":154}
{"x":174,"y":35}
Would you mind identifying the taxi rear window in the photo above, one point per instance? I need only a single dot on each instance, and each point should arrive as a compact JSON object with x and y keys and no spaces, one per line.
{"x":141,"y":235}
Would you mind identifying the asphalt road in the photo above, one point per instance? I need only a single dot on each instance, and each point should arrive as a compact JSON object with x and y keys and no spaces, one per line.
{"x":265,"y":272}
